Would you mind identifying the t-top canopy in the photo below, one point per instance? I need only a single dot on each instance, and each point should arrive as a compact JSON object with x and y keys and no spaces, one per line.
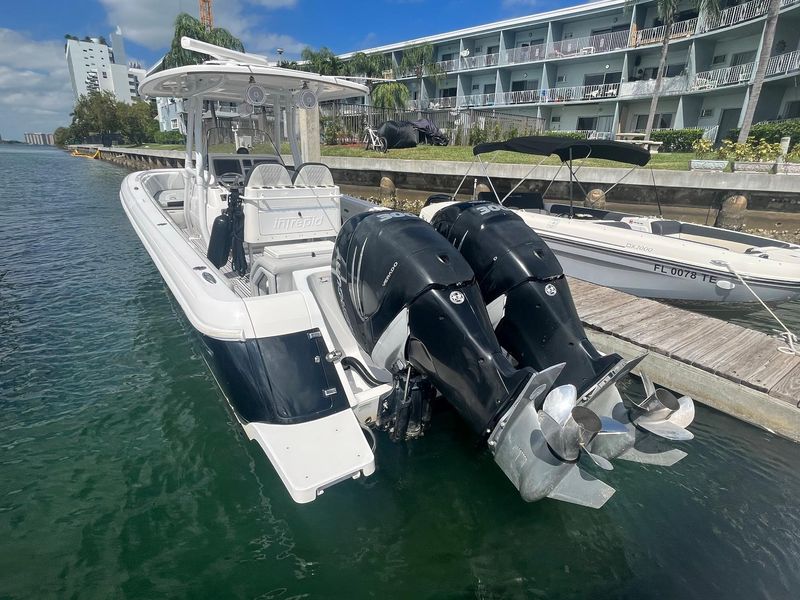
{"x":566,"y":148}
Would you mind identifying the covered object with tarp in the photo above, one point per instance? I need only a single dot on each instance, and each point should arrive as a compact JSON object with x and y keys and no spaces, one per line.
{"x":407,"y":134}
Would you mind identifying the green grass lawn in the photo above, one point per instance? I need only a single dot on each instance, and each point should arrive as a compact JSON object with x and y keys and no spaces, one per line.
{"x":663,"y":160}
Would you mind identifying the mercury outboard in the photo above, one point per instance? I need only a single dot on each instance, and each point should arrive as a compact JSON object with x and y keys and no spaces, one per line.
{"x":414,"y":306}
{"x":536,"y":322}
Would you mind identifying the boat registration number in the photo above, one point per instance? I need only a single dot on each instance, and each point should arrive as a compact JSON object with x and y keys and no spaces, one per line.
{"x":685,"y":273}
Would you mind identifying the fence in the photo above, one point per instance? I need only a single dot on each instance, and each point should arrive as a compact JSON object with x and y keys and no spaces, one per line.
{"x":345,"y":123}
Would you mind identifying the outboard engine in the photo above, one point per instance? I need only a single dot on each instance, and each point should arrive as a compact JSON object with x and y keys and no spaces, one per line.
{"x":535,"y":320}
{"x":413,"y":305}
{"x":525,"y":290}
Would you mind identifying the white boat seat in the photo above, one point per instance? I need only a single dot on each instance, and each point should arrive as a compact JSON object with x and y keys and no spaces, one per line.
{"x":269,"y":175}
{"x":313,"y":174}
{"x":272,"y":272}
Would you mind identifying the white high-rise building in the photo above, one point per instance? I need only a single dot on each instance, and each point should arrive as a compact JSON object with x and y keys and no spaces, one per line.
{"x":94,"y":65}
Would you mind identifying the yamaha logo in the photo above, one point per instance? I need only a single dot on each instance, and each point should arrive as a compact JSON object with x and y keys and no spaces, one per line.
{"x":550,"y":289}
{"x":456,"y":297}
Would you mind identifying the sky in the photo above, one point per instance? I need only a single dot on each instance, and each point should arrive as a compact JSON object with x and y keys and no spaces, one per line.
{"x":35,"y":91}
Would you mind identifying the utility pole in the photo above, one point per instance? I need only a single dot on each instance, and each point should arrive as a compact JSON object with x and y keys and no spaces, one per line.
{"x":206,"y":18}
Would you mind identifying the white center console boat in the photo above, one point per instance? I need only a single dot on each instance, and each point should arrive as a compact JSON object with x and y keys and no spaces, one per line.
{"x":324,"y":317}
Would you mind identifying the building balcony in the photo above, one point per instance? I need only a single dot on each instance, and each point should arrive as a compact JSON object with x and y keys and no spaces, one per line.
{"x":707,"y":80}
{"x":593,"y":44}
{"x":446,"y":66}
{"x":478,"y":100}
{"x":782,"y":64}
{"x":655,"y":35}
{"x":738,"y":14}
{"x":645,"y":88}
{"x":526,"y":54}
{"x":580,"y":93}
{"x":480,"y":61}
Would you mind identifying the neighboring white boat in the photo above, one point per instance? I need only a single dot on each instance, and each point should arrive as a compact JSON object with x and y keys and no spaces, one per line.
{"x":323,"y":317}
{"x":651,"y":257}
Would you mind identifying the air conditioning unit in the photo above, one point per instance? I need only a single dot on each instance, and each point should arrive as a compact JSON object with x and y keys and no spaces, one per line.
{"x":305,"y":99}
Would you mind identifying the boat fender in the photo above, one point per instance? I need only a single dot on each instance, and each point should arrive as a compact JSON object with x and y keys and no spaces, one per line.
{"x":219,"y":245}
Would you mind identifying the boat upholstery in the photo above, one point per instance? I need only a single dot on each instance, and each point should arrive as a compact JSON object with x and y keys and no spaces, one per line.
{"x":313,"y":174}
{"x":269,"y":175}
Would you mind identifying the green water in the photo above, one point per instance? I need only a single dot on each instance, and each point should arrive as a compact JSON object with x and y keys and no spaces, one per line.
{"x":122,"y":473}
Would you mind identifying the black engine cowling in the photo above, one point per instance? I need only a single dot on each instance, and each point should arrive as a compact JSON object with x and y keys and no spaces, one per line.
{"x":409,"y":297}
{"x":540,"y":326}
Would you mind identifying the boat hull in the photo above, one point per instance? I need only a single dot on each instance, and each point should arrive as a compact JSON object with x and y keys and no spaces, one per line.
{"x":652,"y":277}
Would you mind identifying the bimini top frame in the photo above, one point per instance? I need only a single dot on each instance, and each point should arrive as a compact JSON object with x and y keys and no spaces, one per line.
{"x":567,"y":150}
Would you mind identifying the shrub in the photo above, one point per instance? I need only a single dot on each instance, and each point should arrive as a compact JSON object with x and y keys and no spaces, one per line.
{"x":767,"y":152}
{"x":794,"y":155}
{"x":169,"y":137}
{"x":577,"y":135}
{"x":703,"y":148}
{"x":331,"y":130}
{"x":772,"y":132}
{"x":677,"y":140}
{"x":735,"y":151}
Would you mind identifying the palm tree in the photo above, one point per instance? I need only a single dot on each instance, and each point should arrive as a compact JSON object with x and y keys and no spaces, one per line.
{"x":420,"y":60}
{"x":187,"y":25}
{"x":761,"y":68}
{"x":390,"y":94}
{"x":667,"y":10}
{"x":324,"y":61}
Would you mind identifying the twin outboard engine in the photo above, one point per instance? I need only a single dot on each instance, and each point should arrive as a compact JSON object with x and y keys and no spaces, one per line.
{"x":531,"y":307}
{"x":413,"y":304}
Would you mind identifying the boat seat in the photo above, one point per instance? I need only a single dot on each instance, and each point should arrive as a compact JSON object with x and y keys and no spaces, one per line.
{"x":578,"y":212}
{"x":269,"y":175}
{"x":665,"y":227}
{"x":313,"y":175}
{"x":525,"y":200}
{"x":272,"y":271}
{"x":618,"y":224}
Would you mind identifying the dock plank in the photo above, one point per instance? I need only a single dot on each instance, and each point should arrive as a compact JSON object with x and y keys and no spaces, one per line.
{"x":788,"y":388}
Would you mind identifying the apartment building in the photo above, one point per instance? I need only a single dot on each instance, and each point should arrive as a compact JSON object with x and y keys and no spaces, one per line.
{"x":39,"y":139}
{"x":592,"y":67}
{"x":96,"y":65}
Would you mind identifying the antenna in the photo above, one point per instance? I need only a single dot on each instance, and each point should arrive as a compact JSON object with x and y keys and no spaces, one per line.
{"x":221,"y":53}
{"x":206,"y":18}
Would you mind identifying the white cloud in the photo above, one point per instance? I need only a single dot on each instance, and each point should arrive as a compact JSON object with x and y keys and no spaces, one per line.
{"x":35,"y":91}
{"x":149,"y":22}
{"x":520,"y":3}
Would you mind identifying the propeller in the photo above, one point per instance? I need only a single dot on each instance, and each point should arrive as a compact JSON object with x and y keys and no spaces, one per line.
{"x":662,"y":413}
{"x":568,"y":429}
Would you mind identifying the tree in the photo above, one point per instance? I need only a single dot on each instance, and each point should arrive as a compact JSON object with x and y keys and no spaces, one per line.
{"x":761,"y":68}
{"x":95,"y":113}
{"x":187,"y":25}
{"x":324,"y":61}
{"x":667,"y":10}
{"x":391,"y":94}
{"x":420,"y":61}
{"x":137,"y":121}
{"x":62,"y":136}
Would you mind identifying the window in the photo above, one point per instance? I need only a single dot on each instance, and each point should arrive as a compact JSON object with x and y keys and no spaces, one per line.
{"x":561,"y":79}
{"x":448,"y":92}
{"x":519,"y":86}
{"x":743,"y":58}
{"x":587,"y":123}
{"x":448,"y":56}
{"x":492,"y":49}
{"x":489,"y":88}
{"x":719,"y":59}
{"x":173,"y":123}
{"x":555,"y":120}
{"x":661,"y":121}
{"x":706,"y":113}
{"x":475,"y":87}
{"x":792,"y":110}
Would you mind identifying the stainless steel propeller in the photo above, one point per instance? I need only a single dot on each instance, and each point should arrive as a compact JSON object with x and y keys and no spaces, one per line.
{"x":568,"y":429}
{"x":661,"y":413}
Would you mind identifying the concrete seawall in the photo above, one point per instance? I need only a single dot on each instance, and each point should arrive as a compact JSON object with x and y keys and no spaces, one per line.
{"x":765,"y":192}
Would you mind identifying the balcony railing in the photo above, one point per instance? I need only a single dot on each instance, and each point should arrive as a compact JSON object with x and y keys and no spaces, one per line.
{"x":654,"y":35}
{"x":481,"y":60}
{"x":520,"y":97}
{"x":735,"y":14}
{"x":592,"y":44}
{"x":447,"y":65}
{"x":644,"y":88}
{"x":478,"y":99}
{"x":580,"y":92}
{"x":721,"y":77}
{"x":526,"y":54}
{"x":783,"y":63}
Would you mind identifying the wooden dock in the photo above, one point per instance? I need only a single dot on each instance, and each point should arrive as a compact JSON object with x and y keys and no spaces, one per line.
{"x":733,"y":369}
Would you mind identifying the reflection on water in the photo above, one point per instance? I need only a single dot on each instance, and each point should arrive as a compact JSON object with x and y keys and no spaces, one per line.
{"x":123,"y":473}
